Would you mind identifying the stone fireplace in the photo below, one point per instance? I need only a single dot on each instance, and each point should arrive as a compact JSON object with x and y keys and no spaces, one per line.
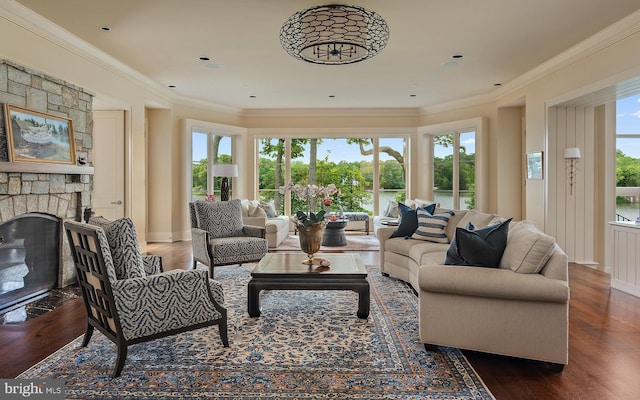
{"x":54,"y":190}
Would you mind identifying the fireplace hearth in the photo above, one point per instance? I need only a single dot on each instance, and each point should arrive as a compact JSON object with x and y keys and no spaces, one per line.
{"x":30,"y":258}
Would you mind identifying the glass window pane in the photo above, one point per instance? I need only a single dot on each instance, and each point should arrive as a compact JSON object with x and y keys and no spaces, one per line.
{"x":198,"y":165}
{"x":443,"y":170}
{"x":467,"y":170}
{"x":392,"y":172}
{"x":271,"y":171}
{"x":627,"y":178}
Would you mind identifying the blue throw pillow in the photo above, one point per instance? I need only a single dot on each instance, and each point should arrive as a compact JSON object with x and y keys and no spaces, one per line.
{"x":409,"y":220}
{"x":478,"y":247}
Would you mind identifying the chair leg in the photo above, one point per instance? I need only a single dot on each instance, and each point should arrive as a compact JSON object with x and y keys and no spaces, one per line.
{"x":120,"y":359}
{"x":224,"y":336}
{"x":195,"y":263}
{"x":87,"y":335}
{"x":211,"y":270}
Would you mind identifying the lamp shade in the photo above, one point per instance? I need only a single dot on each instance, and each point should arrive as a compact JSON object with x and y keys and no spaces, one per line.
{"x":230,"y":170}
{"x":572,"y":153}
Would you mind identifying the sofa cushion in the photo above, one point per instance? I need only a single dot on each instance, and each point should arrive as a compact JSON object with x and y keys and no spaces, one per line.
{"x":528,"y":249}
{"x":432,"y":227}
{"x":392,"y":209}
{"x":454,"y":221}
{"x":251,"y":208}
{"x":421,"y":251}
{"x":400,"y":245}
{"x":478,"y":247}
{"x":269,"y":208}
{"x":408,"y":221}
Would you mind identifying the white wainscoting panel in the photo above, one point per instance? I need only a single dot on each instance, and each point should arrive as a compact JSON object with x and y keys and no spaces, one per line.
{"x":625,"y":274}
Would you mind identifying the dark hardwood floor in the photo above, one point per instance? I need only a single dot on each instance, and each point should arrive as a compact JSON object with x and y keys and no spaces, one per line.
{"x":604,"y":341}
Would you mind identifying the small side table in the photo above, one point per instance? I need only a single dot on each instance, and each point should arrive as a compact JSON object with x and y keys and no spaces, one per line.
{"x":334,"y":233}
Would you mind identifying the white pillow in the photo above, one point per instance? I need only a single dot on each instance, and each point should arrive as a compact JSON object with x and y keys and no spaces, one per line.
{"x":528,"y":249}
{"x":392,"y":209}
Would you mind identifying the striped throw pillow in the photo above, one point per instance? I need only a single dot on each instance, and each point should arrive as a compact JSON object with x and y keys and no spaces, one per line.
{"x":432,"y":227}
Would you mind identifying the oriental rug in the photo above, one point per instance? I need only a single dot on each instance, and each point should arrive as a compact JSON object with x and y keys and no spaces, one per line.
{"x":305,"y":345}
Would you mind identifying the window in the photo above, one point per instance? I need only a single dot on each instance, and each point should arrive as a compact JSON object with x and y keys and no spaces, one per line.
{"x":628,"y":158}
{"x":207,"y":149}
{"x":454,"y":169}
{"x":346,"y":162}
{"x":392,"y":171}
{"x":271,"y":171}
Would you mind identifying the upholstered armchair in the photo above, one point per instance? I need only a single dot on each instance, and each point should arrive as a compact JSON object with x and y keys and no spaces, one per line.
{"x":219,"y":237}
{"x":129,"y":300}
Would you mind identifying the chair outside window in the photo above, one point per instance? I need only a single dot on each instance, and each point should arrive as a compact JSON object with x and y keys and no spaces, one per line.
{"x":219,"y":237}
{"x":129,"y":300}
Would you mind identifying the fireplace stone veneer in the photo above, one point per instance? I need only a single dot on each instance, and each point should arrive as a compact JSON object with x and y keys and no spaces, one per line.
{"x":47,"y":188}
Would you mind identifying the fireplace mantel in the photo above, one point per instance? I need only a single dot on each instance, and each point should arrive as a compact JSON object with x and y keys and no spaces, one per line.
{"x":45,"y":168}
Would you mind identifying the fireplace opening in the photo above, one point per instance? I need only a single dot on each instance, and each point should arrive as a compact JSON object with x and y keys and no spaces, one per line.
{"x":30,"y":258}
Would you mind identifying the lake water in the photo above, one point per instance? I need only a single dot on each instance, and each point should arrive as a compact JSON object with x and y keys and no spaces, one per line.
{"x":628,"y":210}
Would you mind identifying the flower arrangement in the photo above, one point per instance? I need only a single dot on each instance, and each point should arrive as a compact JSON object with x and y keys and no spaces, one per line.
{"x":306,"y":193}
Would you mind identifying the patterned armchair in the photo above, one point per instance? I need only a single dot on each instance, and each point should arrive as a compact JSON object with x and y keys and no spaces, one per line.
{"x":219,"y":238}
{"x":128,"y":304}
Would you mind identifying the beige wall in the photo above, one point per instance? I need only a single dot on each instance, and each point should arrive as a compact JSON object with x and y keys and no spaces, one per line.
{"x":597,"y":65}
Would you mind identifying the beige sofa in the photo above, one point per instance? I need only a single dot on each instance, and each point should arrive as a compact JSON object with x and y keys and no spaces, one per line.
{"x":511,"y":310}
{"x":276,"y":228}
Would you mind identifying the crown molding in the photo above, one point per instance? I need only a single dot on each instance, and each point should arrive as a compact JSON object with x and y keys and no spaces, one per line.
{"x":329,"y":112}
{"x":47,"y":30}
{"x":607,"y":37}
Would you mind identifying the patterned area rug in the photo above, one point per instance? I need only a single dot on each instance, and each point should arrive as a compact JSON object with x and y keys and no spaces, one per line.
{"x":354,"y":243}
{"x":305,"y":345}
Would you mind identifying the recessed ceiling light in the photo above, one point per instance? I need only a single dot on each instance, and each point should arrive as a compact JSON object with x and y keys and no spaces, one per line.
{"x":412,"y":95}
{"x":105,"y":28}
{"x":171,"y":86}
{"x":457,"y":56}
{"x":204,"y":58}
{"x":332,"y":96}
{"x":497,"y":84}
{"x":252,"y":96}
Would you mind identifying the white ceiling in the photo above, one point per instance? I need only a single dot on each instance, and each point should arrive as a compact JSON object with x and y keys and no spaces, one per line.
{"x":500,"y":40}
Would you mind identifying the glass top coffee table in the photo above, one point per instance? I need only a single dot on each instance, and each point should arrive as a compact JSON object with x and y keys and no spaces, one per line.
{"x":285,"y":271}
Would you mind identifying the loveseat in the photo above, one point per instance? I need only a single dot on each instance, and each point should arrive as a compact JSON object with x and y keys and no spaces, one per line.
{"x":276,"y":226}
{"x":518,"y":308}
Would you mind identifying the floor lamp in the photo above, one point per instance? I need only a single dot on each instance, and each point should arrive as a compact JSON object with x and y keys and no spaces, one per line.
{"x":225,"y":171}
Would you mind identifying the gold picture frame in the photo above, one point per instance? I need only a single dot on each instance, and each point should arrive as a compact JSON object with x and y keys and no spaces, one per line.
{"x":33,"y":136}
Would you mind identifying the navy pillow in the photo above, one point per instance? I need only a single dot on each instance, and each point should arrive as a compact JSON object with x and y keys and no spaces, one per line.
{"x":482,"y":247}
{"x":409,"y":219}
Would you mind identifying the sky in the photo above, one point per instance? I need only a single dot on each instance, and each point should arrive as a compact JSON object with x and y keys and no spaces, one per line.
{"x":628,"y":123}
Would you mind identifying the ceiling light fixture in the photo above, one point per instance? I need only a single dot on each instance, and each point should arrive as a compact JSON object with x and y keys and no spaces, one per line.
{"x":334,"y":34}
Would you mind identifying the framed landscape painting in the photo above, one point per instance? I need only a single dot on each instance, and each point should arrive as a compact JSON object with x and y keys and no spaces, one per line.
{"x":38,"y":137}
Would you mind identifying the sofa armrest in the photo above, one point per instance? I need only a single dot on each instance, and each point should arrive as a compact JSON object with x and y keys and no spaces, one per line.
{"x":383,"y":234}
{"x":491,"y":282}
{"x":254,"y":221}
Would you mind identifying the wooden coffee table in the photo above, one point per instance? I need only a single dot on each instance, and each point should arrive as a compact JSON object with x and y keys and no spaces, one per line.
{"x":285,"y":271}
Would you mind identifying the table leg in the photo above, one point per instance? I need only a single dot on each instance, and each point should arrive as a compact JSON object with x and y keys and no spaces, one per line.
{"x":363,"y":301}
{"x":253,"y":299}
